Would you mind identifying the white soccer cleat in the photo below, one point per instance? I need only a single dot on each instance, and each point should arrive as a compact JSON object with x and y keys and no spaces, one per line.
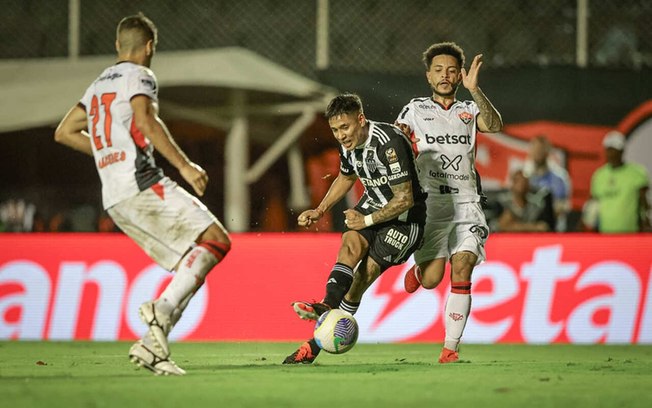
{"x":146,"y":358}
{"x":159,"y":327}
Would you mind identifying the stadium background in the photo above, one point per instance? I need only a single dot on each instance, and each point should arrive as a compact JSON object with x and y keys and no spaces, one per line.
{"x":571,"y":69}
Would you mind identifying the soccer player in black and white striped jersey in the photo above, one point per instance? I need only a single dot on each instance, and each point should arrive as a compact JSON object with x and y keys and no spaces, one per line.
{"x":384,"y":228}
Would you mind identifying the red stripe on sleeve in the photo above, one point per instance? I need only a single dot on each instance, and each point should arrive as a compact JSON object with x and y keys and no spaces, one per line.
{"x":137,"y":135}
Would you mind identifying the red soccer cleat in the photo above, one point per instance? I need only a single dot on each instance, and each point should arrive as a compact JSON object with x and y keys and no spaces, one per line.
{"x":412,"y":280}
{"x":310,"y":311}
{"x":448,"y":356}
{"x":302,"y":356}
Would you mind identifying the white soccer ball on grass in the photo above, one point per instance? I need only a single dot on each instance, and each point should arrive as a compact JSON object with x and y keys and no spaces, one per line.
{"x":336,"y":331}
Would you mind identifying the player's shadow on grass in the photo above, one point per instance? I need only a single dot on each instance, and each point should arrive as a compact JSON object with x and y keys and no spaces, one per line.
{"x":349,"y":367}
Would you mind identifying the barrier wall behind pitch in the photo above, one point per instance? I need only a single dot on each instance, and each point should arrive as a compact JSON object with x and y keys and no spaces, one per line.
{"x":546,"y":288}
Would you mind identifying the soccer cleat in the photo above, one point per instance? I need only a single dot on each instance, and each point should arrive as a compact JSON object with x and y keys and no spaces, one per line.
{"x":412,"y":280}
{"x":303,"y":355}
{"x":310,"y":311}
{"x":140,"y":355}
{"x":159,"y":327}
{"x":448,"y":356}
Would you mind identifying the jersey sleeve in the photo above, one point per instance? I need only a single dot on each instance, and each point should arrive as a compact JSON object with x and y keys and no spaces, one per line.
{"x":345,"y":166}
{"x":142,"y":82}
{"x":406,"y":116}
{"x":86,"y":98}
{"x":397,"y":156}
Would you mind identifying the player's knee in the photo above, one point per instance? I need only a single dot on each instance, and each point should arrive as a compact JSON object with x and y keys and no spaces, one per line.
{"x":216,"y":234}
{"x":351,"y":249}
{"x":462,"y":274}
{"x":462,"y":265}
{"x":216,"y":242}
{"x":430,"y":282}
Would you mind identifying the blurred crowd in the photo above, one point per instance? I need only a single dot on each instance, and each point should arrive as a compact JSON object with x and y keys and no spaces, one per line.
{"x":537,"y":199}
{"x":20,"y":215}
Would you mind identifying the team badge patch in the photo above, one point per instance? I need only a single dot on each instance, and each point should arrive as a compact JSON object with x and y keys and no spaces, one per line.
{"x":391,"y":155}
{"x":370,"y":161}
{"x":465,"y":117}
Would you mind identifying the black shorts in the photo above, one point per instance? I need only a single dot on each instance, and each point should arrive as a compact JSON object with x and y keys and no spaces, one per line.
{"x":392,"y":243}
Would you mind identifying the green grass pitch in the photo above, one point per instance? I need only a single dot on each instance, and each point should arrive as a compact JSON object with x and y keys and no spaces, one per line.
{"x":91,"y":374}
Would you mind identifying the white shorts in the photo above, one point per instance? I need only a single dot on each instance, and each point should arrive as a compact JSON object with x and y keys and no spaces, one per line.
{"x":452,"y":228}
{"x":164,"y":220}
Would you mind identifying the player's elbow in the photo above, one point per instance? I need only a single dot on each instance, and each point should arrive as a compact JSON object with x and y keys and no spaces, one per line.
{"x":58,"y":135}
{"x":61,"y":135}
{"x":144,"y":124}
{"x":406,"y":202}
{"x":496,"y":125}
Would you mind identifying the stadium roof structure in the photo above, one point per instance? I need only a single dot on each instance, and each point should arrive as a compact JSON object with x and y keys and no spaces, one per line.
{"x":224,"y":88}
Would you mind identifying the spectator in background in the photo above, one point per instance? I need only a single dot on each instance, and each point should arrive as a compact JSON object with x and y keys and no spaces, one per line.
{"x":620,"y":190}
{"x":543,"y":172}
{"x":17,"y":215}
{"x":525,"y":210}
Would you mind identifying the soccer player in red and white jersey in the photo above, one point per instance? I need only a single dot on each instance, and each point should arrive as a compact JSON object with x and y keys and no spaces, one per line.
{"x":443,"y":130}
{"x":116,"y":121}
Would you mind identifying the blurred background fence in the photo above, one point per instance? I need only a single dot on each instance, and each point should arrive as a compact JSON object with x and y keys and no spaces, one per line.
{"x":360,"y":35}
{"x":550,"y":66}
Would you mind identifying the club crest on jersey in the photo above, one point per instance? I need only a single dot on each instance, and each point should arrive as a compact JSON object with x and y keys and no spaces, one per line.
{"x":370,"y":161}
{"x":465,"y":117}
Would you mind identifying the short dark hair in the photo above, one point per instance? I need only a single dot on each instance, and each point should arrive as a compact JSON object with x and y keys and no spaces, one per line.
{"x":445,"y":48}
{"x":344,"y":104}
{"x":146,"y":28}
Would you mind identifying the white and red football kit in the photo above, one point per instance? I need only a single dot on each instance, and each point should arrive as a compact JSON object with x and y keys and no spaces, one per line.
{"x":445,"y":156}
{"x":154,"y":211}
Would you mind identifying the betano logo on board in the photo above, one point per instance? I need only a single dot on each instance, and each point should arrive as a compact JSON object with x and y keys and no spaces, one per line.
{"x":543,"y":289}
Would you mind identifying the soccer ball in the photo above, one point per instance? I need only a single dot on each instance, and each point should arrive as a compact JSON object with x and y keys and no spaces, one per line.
{"x":336,"y":331}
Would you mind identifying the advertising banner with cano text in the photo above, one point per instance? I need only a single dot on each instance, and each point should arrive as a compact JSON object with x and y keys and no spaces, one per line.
{"x":533,"y":288}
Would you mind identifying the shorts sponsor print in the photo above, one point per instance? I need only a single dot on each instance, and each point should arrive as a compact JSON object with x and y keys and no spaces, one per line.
{"x":393,"y":243}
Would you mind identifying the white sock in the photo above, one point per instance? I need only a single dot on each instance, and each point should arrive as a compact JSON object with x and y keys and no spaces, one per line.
{"x":458,"y":306}
{"x":190,"y":275}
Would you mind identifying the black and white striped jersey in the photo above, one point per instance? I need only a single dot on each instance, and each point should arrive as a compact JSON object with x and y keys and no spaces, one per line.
{"x":384,"y":160}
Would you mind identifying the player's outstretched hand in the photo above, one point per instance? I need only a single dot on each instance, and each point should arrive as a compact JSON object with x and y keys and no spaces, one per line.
{"x":309,"y":217}
{"x":195,"y":176}
{"x":470,"y":78}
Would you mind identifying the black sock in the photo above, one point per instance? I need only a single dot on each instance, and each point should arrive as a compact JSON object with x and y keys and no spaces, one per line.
{"x":350,"y":307}
{"x":314,"y":348}
{"x":339,"y":282}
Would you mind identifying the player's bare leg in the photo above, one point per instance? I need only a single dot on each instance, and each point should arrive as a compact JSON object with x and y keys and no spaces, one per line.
{"x":365,"y":276}
{"x":427,"y":274}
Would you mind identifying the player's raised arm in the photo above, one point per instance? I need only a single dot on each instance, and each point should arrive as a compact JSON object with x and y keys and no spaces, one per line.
{"x":489,"y":120}
{"x":150,"y":125}
{"x":71,"y":131}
